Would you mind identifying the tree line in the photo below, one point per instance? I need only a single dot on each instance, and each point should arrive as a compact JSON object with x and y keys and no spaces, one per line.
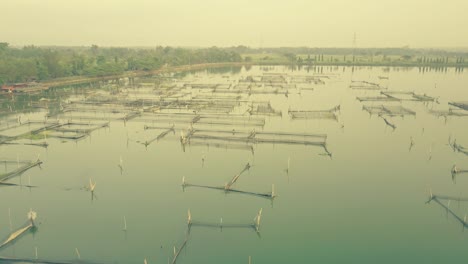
{"x":32,"y":63}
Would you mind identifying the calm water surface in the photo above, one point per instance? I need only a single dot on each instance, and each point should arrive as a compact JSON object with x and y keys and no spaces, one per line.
{"x":365,"y":204}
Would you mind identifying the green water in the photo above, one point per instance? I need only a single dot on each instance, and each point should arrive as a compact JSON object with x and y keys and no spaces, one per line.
{"x":366,"y":204}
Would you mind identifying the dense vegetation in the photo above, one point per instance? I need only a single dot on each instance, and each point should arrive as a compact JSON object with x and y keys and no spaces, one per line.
{"x":31,"y":63}
{"x":40,"y":63}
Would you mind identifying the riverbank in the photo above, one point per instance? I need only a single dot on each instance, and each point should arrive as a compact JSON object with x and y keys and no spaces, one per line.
{"x":79,"y":80}
{"x":265,"y":60}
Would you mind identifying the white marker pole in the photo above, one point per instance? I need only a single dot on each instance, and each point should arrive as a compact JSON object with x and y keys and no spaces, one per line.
{"x":9,"y":217}
{"x":78,"y":253}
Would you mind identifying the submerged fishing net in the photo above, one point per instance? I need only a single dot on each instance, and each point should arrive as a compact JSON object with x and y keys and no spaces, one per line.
{"x":263,"y":108}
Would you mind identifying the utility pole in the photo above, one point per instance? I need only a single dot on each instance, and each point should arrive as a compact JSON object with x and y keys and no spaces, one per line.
{"x":354,"y":53}
{"x":354,"y":47}
{"x":261,"y":42}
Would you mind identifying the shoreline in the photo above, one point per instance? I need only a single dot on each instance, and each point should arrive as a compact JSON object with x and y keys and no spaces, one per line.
{"x":131,"y":74}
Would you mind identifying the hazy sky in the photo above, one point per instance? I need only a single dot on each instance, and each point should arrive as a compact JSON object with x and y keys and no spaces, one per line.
{"x":270,"y":23}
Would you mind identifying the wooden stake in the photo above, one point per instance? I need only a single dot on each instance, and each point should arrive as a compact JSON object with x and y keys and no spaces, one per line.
{"x":9,"y":217}
{"x":78,"y":253}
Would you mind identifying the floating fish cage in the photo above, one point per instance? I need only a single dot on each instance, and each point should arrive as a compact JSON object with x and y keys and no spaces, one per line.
{"x":461,"y":105}
{"x":221,"y":145}
{"x":100,"y":108}
{"x":223,"y":225}
{"x":154,"y":94}
{"x":254,"y":225}
{"x":105,"y":113}
{"x":438,"y":200}
{"x":218,"y":97}
{"x":254,"y":137}
{"x":154,"y":137}
{"x":150,"y":93}
{"x":263,"y":108}
{"x":196,"y":105}
{"x":203,"y":119}
{"x":389,"y":110}
{"x":252,"y":91}
{"x":99,"y":99}
{"x":23,"y":142}
{"x":16,"y":167}
{"x":25,"y":129}
{"x":9,"y":121}
{"x":448,"y":113}
{"x":103,"y":110}
{"x":306,"y":79}
{"x":409,"y":96}
{"x":273,"y":79}
{"x":76,"y":127}
{"x":283,"y":86}
{"x":228,"y":186}
{"x":315,"y":114}
{"x":385,"y":98}
{"x":243,"y":86}
{"x":74,"y":130}
{"x":246,"y":122}
{"x":68,"y":130}
{"x":205,"y":85}
{"x":67,"y":135}
{"x":97,"y":116}
{"x":229,"y":103}
{"x":398,"y":96}
{"x":9,"y":260}
{"x":365,"y":85}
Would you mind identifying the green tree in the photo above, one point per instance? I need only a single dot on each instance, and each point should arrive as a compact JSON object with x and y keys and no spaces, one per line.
{"x":3,"y":46}
{"x":51,"y":59}
{"x":100,"y":60}
{"x":42,"y":71}
{"x":94,"y":49}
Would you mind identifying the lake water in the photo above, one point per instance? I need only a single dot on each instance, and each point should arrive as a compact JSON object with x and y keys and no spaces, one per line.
{"x":366,"y":203}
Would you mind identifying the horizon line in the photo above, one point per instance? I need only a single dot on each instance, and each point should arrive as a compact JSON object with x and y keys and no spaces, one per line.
{"x":239,"y":45}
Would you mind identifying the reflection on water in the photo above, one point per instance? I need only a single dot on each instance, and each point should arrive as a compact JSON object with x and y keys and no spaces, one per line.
{"x":345,"y":157}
